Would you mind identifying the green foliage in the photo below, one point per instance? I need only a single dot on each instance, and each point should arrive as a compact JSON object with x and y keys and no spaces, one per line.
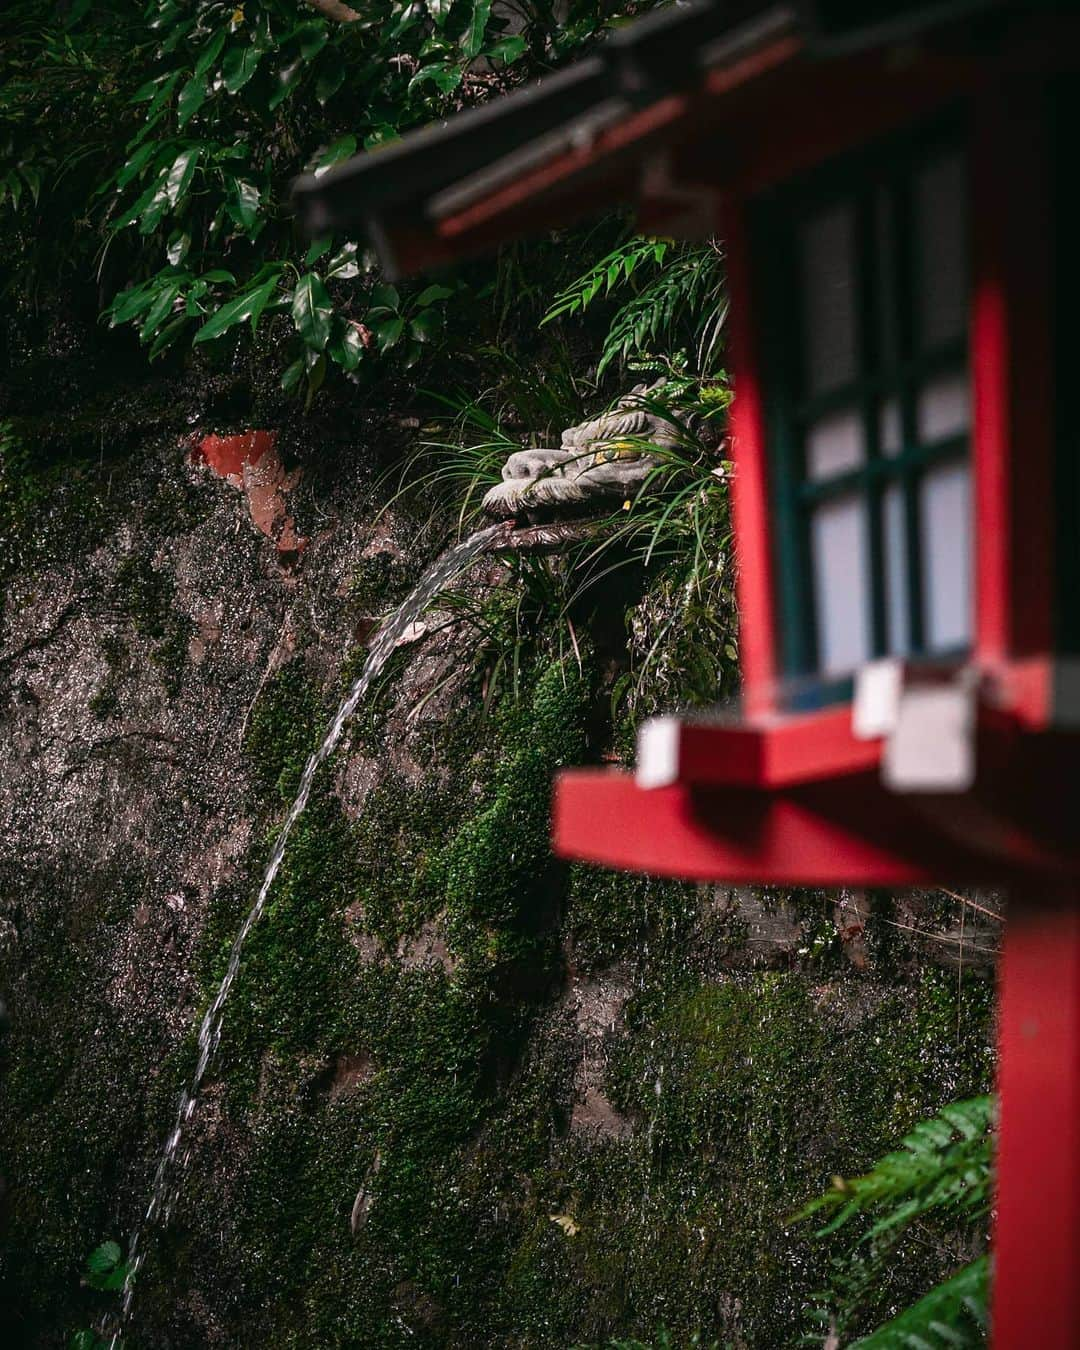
{"x":943,"y":1170}
{"x":953,"y":1314}
{"x":943,"y":1164}
{"x":282,"y":731}
{"x":177,"y":137}
{"x":107,"y":1272}
{"x":676,"y":299}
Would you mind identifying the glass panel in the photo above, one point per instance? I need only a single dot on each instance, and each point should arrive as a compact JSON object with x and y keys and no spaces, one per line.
{"x":834,"y":445}
{"x":945,"y":537}
{"x":943,"y":408}
{"x":826,"y":253}
{"x":898,"y":635}
{"x":941,"y":243}
{"x":838,"y":545}
{"x":890,"y":429}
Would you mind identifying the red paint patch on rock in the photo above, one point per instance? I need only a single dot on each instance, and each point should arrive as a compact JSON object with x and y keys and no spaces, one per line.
{"x":228,"y":455}
{"x":251,"y":463}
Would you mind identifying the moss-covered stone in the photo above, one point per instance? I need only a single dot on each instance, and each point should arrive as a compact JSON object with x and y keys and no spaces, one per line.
{"x":387,"y":1151}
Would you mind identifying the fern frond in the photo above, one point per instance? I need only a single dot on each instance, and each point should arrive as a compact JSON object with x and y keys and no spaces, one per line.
{"x":952,"y":1314}
{"x":613,"y":270}
{"x":943,"y":1165}
{"x":686,"y":296}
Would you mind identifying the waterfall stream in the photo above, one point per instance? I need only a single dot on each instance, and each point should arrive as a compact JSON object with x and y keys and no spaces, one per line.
{"x":166,"y":1185}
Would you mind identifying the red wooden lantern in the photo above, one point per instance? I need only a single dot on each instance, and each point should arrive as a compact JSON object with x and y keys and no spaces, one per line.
{"x":892,"y":191}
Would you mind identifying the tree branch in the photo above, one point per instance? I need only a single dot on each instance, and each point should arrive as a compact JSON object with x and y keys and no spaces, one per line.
{"x":335,"y":10}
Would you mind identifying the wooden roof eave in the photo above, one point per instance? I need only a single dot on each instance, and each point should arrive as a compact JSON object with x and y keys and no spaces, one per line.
{"x":594,"y":168}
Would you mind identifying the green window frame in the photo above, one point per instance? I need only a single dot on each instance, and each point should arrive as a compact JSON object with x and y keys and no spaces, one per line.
{"x":870,"y":462}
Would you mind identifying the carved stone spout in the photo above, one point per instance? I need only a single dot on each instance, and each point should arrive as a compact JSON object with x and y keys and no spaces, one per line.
{"x":607,"y":458}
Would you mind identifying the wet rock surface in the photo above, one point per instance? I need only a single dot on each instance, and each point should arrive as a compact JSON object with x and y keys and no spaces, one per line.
{"x":439,"y":1040}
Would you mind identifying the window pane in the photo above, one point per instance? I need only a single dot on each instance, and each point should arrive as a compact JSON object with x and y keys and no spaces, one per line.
{"x":898,"y":633}
{"x":838,"y":544}
{"x":943,"y":408}
{"x":826,"y":257}
{"x":945,"y":519}
{"x":941,"y":242}
{"x":834,"y":445}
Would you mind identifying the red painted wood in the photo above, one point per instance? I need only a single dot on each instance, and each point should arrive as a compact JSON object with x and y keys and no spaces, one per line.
{"x":815,"y":111}
{"x":750,"y":486}
{"x":1011,"y":371}
{"x":782,"y":753}
{"x":634,"y":134}
{"x":1036,"y":1299}
{"x":851,"y":834}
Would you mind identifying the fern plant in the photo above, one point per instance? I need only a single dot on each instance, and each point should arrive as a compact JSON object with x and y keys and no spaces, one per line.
{"x":943,"y":1169}
{"x":677,"y":301}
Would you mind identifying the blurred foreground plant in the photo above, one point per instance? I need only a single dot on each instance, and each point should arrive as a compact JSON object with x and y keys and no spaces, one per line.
{"x":942,"y":1169}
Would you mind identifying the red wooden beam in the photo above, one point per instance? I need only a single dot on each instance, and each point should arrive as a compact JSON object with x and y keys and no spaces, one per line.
{"x":1011,"y":371}
{"x":1036,"y":1300}
{"x":781,"y":753}
{"x":750,"y":484}
{"x":851,"y":833}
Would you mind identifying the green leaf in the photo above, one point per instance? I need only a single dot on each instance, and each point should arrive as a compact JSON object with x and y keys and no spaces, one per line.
{"x":312,"y":311}
{"x":383,"y":134}
{"x":287,"y":78}
{"x":293,"y":375}
{"x":334,"y":153}
{"x":426,"y":325}
{"x":210,"y":53}
{"x":433,"y":293}
{"x":192,"y":97}
{"x":385,"y":297}
{"x":181,"y":173}
{"x":83,"y":1340}
{"x":150,"y":218}
{"x":244,"y":202}
{"x":159,"y":310}
{"x":507,"y":49}
{"x":129,"y":304}
{"x":178,"y":246}
{"x":252,"y":302}
{"x":102,"y":1259}
{"x":239,"y":66}
{"x":312,"y":36}
{"x":161,"y":98}
{"x":331,"y":75}
{"x":445,"y":78}
{"x":343,"y":265}
{"x":135,"y":164}
{"x":473,"y":39}
{"x":264,"y":296}
{"x":316,"y":375}
{"x":388,"y":331}
{"x":348,"y":348}
{"x":439,"y":11}
{"x":162,"y":342}
{"x":953,"y":1313}
{"x":317,"y":250}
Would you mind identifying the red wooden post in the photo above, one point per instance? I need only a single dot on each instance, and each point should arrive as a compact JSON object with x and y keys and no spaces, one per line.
{"x":1036,"y":1299}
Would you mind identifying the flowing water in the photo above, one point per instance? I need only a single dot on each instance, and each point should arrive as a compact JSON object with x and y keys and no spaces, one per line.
{"x":168,"y":1175}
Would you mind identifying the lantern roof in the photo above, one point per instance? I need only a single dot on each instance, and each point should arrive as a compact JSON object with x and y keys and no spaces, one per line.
{"x":591,"y":136}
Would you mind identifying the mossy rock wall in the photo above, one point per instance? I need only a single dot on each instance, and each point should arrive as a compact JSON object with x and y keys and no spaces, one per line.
{"x":464,"y":1096}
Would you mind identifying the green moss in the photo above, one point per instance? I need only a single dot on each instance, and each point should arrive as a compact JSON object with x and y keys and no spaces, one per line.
{"x":282,"y":732}
{"x":746,"y":1091}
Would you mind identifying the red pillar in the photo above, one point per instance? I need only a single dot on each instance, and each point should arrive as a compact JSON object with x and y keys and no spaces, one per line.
{"x":1036,"y":1299}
